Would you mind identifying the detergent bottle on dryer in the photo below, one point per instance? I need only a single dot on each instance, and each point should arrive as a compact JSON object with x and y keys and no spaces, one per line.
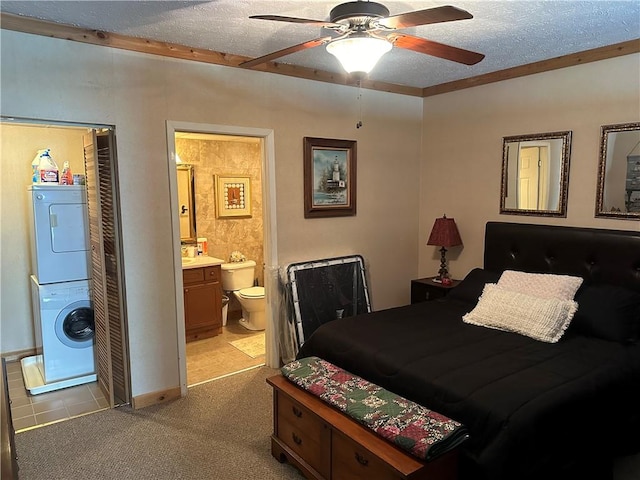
{"x":35,"y":166}
{"x":67,"y":177}
{"x":47,"y":169}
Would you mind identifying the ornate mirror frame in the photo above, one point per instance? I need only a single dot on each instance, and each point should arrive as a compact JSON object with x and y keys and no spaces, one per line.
{"x":619,"y":165}
{"x":186,"y":202}
{"x":560,"y":156}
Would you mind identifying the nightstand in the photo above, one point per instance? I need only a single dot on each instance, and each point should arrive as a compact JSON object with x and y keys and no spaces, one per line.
{"x":425,"y":289}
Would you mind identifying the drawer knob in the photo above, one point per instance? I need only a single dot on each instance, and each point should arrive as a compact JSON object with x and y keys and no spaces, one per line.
{"x":361,"y":460}
{"x":296,"y":439}
{"x":297,"y":412}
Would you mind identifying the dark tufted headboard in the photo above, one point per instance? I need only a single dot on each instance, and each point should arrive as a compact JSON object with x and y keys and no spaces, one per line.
{"x":597,"y":255}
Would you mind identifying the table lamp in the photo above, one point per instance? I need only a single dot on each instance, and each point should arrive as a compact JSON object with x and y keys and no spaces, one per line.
{"x":444,"y":234}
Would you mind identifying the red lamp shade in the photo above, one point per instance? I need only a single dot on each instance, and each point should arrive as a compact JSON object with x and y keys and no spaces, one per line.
{"x":444,"y":233}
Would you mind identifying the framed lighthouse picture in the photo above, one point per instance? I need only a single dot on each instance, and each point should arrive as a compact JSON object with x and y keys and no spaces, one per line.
{"x":329,"y":177}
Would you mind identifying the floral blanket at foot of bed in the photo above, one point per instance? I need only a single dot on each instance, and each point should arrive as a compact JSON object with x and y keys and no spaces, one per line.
{"x":422,"y":432}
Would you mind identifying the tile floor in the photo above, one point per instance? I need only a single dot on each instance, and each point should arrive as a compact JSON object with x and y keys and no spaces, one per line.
{"x":215,"y":357}
{"x":28,"y":411}
{"x":206,"y":360}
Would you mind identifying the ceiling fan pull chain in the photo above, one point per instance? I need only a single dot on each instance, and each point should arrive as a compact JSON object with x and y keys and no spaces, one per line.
{"x":359,"y":98}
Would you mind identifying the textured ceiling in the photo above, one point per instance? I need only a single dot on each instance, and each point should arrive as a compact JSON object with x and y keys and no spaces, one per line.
{"x":510,"y":33}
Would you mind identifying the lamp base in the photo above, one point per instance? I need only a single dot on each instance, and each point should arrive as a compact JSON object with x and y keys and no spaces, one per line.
{"x":443,"y":272}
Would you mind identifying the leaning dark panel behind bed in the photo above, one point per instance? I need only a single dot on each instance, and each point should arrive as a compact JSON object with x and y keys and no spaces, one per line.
{"x":534,"y":410}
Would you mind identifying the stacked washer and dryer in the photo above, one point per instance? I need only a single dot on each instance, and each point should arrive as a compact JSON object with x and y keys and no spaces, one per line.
{"x":60,"y":290}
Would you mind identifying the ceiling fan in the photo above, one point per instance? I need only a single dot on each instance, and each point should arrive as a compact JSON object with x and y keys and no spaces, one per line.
{"x":368,"y":25}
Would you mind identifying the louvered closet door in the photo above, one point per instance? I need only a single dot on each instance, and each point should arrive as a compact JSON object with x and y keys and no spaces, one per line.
{"x":107,"y":273}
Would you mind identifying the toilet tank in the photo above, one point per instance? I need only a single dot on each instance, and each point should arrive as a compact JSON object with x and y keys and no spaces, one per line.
{"x":238,"y":275}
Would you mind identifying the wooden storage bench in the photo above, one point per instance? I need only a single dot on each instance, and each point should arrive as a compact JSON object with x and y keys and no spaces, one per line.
{"x":326,"y":444}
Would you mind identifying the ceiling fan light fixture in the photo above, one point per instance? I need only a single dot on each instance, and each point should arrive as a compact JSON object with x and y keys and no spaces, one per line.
{"x":359,"y":53}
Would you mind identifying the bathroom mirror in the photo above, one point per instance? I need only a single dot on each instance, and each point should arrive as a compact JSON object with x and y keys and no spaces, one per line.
{"x":535,"y":174}
{"x":618,"y":194}
{"x":186,"y":203}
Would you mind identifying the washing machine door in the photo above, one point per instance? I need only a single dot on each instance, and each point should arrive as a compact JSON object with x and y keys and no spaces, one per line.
{"x":75,"y":325}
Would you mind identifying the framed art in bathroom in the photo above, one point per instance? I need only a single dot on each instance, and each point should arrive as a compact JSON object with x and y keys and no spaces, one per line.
{"x":233,"y":196}
{"x":329,"y":177}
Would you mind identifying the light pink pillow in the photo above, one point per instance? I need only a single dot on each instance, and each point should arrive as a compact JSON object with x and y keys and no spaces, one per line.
{"x":541,"y":285}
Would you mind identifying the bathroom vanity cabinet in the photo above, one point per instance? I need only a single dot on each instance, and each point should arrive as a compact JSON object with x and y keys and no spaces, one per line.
{"x":202,"y":302}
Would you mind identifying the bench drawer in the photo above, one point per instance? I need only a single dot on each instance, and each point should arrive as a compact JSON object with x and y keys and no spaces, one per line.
{"x":304,"y":432}
{"x":300,"y":418}
{"x":350,"y":461}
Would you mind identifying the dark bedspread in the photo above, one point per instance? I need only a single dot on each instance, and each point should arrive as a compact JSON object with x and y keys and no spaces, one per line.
{"x":533,"y":409}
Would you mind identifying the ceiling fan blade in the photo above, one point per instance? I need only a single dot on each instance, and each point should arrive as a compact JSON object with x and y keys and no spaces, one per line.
{"x":424,"y":17}
{"x":434,"y":49}
{"x":280,"y":18}
{"x":285,"y":51}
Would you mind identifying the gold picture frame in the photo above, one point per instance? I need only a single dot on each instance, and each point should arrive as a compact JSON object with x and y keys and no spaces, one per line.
{"x":233,"y":196}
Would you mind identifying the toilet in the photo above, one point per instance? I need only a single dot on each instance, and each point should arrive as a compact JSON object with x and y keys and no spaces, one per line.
{"x":237,"y":277}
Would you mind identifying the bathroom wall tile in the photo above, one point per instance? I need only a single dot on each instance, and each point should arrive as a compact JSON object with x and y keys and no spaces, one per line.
{"x":224,"y":235}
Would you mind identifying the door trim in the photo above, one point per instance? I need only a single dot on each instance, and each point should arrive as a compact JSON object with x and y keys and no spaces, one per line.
{"x":272,"y":358}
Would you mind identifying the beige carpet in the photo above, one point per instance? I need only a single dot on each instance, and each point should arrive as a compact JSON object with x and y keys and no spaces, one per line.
{"x":252,"y":346}
{"x":220,"y":430}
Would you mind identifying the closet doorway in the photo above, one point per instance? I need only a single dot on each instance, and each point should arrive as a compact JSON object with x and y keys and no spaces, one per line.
{"x":204,"y":147}
{"x":93,"y":148}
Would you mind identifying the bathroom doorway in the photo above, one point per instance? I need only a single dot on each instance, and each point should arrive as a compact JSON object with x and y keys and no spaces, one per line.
{"x":214,"y":153}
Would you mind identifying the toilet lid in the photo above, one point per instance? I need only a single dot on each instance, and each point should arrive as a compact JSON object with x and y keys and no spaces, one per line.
{"x":252,"y":292}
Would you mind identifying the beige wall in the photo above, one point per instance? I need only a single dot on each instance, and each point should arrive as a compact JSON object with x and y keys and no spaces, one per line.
{"x":139,"y":93}
{"x":462,"y":148}
{"x":18,"y":146}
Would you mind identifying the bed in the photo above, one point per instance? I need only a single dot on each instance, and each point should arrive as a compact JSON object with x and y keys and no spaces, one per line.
{"x":533,"y":409}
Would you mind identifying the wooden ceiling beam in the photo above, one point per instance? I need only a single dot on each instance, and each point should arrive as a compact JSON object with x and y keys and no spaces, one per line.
{"x":573,"y":59}
{"x":95,"y":37}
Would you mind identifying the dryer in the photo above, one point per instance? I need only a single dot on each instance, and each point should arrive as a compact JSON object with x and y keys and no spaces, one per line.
{"x":64,"y":325}
{"x":59,"y":233}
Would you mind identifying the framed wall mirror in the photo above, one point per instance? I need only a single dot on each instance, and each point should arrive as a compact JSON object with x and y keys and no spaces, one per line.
{"x":186,"y":203}
{"x":618,"y":194}
{"x":535,"y":174}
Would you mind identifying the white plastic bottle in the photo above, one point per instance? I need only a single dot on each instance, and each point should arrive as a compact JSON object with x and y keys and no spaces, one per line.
{"x":47,"y":169}
{"x":203,"y":247}
{"x":35,"y":164}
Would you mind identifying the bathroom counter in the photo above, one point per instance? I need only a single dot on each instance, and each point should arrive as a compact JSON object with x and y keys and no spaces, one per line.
{"x":201,"y":261}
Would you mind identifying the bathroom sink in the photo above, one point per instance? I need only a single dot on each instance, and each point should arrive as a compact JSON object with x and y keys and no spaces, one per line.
{"x":188,"y":261}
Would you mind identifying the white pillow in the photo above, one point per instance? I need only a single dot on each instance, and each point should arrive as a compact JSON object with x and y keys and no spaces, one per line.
{"x":543,"y":285}
{"x":543,"y":319}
